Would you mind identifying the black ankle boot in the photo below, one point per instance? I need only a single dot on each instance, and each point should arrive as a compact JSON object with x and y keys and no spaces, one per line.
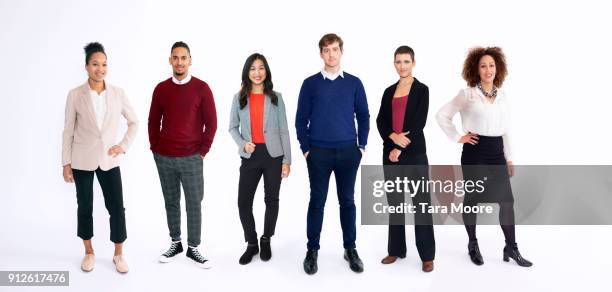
{"x":247,"y":256}
{"x":511,"y":252}
{"x":474,"y":252}
{"x":266,"y":250}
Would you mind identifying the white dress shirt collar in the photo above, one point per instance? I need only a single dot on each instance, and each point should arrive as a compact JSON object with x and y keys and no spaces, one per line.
{"x":181,"y":82}
{"x":332,"y":76}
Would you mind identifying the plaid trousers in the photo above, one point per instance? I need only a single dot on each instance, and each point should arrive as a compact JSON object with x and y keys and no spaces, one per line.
{"x":188,"y":171}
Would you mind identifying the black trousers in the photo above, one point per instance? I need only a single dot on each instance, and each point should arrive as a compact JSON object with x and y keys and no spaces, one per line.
{"x":110,"y":182}
{"x":260,"y":163}
{"x":423,"y":224}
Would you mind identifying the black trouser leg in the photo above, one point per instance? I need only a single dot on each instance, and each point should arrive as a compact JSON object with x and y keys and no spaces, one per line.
{"x":250,"y":174}
{"x":272,"y":182}
{"x":397,"y":241}
{"x":423,"y":221}
{"x":425,"y":243}
{"x":414,"y":168}
{"x":110,"y":182}
{"x":83,"y":181}
{"x":397,"y":230}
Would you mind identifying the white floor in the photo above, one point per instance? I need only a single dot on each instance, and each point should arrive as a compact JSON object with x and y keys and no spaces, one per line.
{"x":566,"y":258}
{"x":38,"y":226}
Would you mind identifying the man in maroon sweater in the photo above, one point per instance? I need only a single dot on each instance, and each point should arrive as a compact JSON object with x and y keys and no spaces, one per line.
{"x":182,"y":125}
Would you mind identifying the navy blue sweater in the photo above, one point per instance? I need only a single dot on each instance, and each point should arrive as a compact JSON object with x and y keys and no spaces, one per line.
{"x":327,"y":110}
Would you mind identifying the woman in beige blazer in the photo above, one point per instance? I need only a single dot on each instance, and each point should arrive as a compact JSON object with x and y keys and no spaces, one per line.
{"x":89,"y":146}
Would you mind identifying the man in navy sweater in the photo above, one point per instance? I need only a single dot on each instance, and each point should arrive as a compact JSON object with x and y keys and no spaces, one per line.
{"x":328,"y":104}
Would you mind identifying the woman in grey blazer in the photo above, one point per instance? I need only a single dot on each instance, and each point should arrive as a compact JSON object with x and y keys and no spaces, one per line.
{"x":258,"y":125}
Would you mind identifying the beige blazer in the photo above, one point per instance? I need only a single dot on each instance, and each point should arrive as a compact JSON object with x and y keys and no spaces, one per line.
{"x":85,"y":146}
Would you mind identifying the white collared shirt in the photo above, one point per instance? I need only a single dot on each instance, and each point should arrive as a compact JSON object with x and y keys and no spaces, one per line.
{"x":478,"y":116}
{"x":181,"y":82}
{"x":332,"y":76}
{"x":99,"y":105}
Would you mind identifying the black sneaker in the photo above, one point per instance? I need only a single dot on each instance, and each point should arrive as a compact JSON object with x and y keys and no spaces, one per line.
{"x":197,"y":258}
{"x":175,"y":248}
{"x":355,"y":262}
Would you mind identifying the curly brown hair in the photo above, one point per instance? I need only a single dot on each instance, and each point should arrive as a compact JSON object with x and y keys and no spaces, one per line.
{"x":470,"y":66}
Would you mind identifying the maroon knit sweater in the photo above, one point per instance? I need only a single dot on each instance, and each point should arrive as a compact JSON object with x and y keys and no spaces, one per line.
{"x":182,"y":118}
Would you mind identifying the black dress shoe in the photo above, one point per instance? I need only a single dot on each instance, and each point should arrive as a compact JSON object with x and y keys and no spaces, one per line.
{"x":474,"y":252}
{"x":355,"y":262}
{"x":247,"y":256}
{"x":310,"y":262}
{"x":511,"y":252}
{"x":266,"y":250}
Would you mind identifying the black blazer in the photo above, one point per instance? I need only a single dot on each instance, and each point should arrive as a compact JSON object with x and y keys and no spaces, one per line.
{"x":414,"y":118}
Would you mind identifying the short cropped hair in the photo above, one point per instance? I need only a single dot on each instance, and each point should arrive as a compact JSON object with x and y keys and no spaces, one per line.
{"x":180,"y":44}
{"x":404,"y":50}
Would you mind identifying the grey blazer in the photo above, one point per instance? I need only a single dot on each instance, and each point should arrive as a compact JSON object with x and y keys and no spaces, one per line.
{"x":276,"y":131}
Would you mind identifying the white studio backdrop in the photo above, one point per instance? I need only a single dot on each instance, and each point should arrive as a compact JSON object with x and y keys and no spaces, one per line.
{"x":557,"y":52}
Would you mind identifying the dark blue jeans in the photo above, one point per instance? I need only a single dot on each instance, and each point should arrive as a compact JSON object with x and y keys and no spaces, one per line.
{"x":344,"y":163}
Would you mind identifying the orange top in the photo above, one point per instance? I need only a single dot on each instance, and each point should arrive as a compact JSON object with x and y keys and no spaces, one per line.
{"x":256,"y":107}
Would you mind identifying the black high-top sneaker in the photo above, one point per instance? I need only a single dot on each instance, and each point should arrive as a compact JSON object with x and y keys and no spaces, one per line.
{"x":175,"y":248}
{"x":197,"y":258}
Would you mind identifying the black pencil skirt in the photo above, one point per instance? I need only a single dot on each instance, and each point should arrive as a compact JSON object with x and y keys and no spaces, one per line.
{"x":486,"y":161}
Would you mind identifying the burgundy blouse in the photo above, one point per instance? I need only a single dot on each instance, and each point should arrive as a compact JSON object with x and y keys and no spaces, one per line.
{"x":398,"y":105}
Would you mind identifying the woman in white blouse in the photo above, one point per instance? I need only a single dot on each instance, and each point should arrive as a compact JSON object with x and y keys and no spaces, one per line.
{"x":90,"y":147}
{"x":484,"y":111}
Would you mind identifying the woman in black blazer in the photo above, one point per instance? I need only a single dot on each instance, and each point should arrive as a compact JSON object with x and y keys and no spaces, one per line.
{"x":401,"y":119}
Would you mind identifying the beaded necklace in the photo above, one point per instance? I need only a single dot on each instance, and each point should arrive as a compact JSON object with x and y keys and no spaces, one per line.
{"x":493,"y":93}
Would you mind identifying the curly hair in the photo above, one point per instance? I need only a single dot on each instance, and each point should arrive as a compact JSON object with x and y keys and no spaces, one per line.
{"x":470,"y":66}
